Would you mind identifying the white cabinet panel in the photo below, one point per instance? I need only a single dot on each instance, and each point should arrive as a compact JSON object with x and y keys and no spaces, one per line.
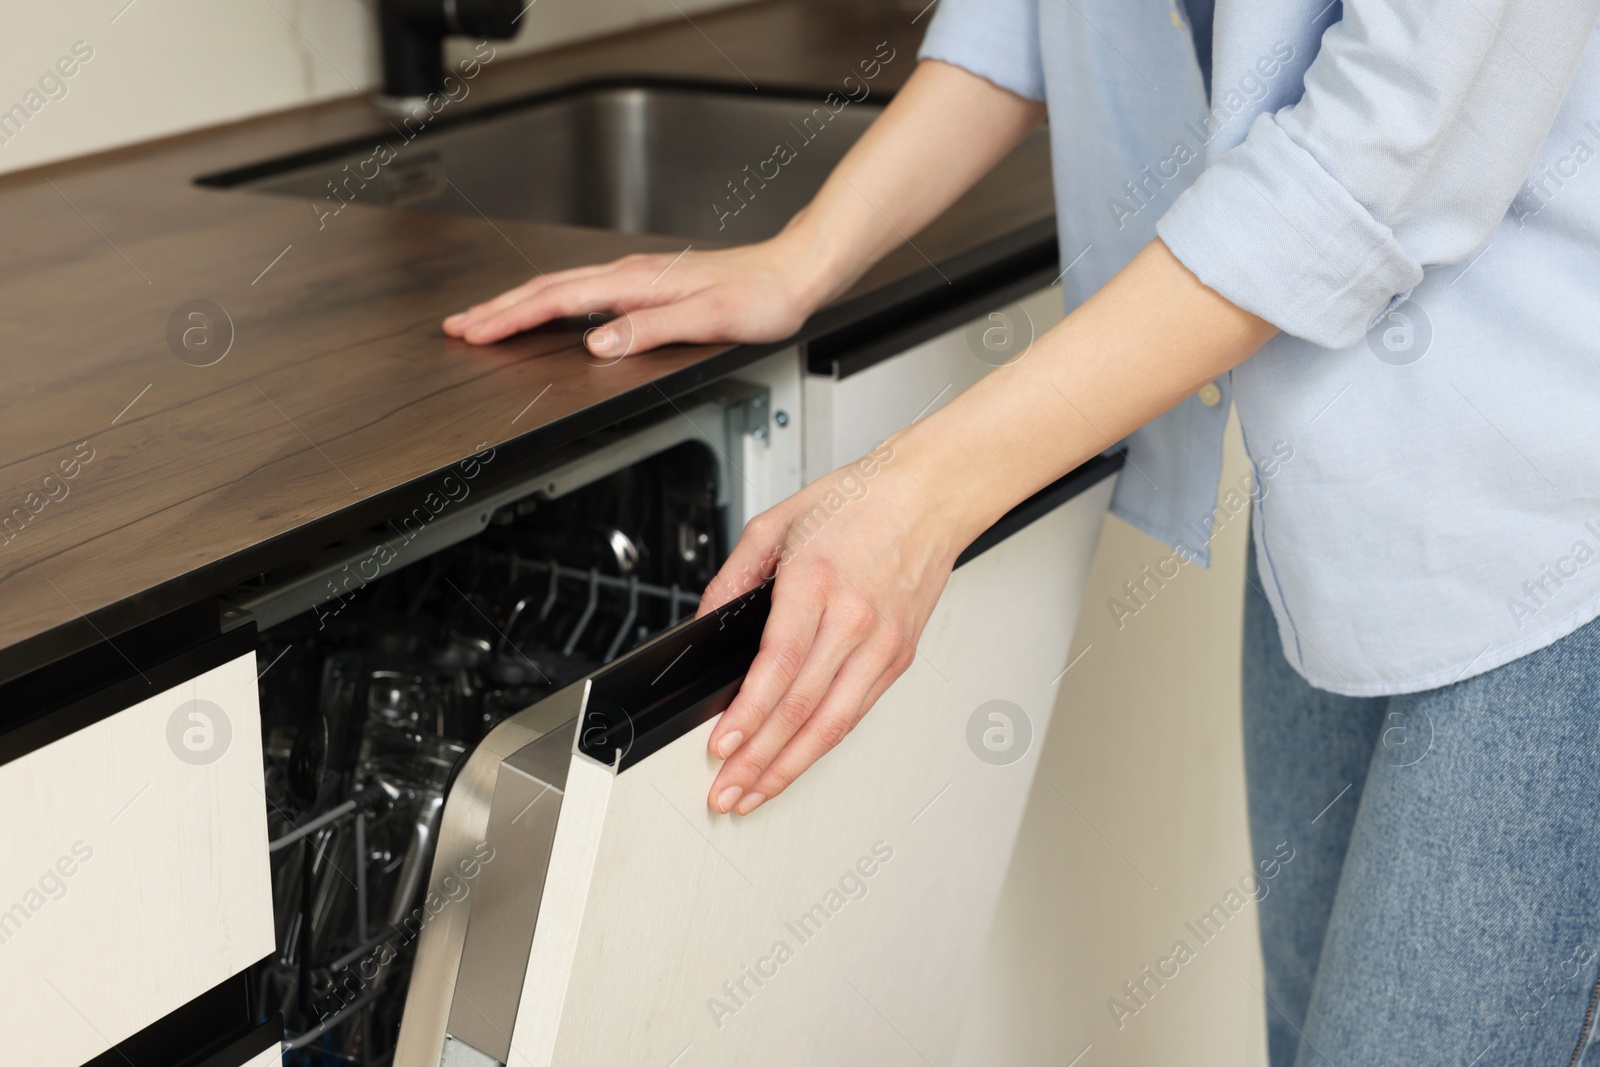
{"x":846,"y":417}
{"x":133,"y":868}
{"x":844,"y":921}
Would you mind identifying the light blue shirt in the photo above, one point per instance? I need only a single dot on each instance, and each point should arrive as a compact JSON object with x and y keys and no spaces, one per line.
{"x":1410,"y":190}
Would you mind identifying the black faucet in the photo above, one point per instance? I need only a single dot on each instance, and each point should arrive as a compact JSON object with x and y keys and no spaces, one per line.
{"x":412,"y":34}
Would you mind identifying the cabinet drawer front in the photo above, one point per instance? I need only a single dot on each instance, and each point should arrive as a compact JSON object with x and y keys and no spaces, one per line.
{"x":133,"y":874}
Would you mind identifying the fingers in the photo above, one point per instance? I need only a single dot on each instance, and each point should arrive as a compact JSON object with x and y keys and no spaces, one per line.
{"x":870,"y":670}
{"x":734,"y":580}
{"x":653,"y":327}
{"x":780,"y":696}
{"x":727,"y":295}
{"x":458,"y":324}
{"x":622,"y":285}
{"x":558,"y":300}
{"x":786,"y":642}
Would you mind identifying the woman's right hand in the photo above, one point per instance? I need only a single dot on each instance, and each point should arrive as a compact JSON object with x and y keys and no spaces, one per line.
{"x":940,"y":133}
{"x":749,"y":293}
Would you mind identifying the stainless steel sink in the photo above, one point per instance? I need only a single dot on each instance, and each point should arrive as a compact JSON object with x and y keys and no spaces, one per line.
{"x":698,"y":162}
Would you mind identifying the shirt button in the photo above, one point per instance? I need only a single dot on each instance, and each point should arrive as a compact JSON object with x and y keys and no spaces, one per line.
{"x":1210,"y":395}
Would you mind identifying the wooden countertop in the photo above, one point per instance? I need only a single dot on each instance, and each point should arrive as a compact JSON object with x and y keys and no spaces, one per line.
{"x":132,"y":483}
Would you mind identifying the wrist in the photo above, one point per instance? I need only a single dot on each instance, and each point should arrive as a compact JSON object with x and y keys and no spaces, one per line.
{"x":942,"y":492}
{"x":817,"y":267}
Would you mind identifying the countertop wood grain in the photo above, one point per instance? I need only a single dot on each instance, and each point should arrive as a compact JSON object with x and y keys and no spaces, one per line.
{"x":340,"y":396}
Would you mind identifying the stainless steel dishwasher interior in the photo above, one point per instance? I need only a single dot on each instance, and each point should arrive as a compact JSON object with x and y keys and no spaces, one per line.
{"x":696,"y":162}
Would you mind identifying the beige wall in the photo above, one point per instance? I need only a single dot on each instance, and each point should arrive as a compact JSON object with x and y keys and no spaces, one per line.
{"x":163,"y":66}
{"x":1145,"y":741}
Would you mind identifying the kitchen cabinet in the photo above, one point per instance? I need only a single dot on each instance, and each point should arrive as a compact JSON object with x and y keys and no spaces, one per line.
{"x":135,"y":858}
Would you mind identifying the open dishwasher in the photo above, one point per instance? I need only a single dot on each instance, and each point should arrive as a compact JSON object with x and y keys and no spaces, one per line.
{"x":485,"y":743}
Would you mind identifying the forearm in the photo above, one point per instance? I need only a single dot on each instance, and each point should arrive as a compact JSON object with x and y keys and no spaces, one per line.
{"x":945,"y":129}
{"x":1148,"y":339}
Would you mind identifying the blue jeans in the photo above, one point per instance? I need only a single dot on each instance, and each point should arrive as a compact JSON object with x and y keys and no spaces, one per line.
{"x":1442,"y":906}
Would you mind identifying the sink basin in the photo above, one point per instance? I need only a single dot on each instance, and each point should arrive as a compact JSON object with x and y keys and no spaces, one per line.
{"x":692,"y":161}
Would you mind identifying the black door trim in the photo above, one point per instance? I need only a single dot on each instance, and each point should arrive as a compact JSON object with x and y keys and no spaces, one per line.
{"x":1044,"y":502}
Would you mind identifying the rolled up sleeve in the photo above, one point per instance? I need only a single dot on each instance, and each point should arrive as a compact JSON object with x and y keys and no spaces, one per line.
{"x":1417,"y":125}
{"x":997,"y":40}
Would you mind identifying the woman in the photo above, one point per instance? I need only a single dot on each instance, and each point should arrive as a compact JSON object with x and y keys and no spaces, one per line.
{"x":1376,"y":237}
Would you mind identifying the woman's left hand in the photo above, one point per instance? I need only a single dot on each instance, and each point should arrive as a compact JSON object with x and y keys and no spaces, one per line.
{"x":860,"y":558}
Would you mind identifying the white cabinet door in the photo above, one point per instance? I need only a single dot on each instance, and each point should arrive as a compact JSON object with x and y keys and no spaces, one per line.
{"x":133,"y":867}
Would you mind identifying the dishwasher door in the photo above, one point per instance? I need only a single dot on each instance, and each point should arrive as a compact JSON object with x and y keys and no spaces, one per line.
{"x":602,"y":914}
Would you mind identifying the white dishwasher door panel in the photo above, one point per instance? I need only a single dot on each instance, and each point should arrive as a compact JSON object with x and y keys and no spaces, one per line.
{"x":843,"y":922}
{"x":133,"y":869}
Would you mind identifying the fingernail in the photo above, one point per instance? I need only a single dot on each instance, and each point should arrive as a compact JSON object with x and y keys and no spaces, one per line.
{"x":750,"y":803}
{"x":728,"y":798}
{"x":453,"y":319}
{"x":730,"y":741}
{"x":599,"y":339}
